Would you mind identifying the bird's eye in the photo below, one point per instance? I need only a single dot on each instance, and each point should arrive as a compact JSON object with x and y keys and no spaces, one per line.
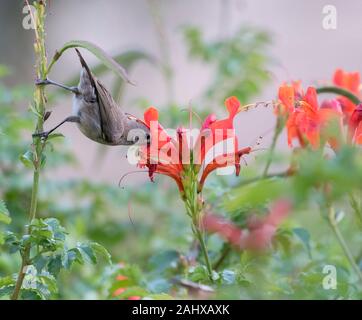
{"x":136,"y":139}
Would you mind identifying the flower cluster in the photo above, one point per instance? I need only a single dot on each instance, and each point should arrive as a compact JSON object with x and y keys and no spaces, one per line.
{"x":196,"y":153}
{"x":314,"y":124}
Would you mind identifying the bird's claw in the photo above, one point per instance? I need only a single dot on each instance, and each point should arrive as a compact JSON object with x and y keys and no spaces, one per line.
{"x":42,"y":135}
{"x":40,"y":82}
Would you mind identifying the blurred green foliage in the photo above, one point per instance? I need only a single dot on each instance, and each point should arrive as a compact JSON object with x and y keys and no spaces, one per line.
{"x":239,"y":62}
{"x":98,"y":241}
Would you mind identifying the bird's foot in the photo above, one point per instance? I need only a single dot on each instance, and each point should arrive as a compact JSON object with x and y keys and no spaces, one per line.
{"x":42,"y":135}
{"x":42,"y":82}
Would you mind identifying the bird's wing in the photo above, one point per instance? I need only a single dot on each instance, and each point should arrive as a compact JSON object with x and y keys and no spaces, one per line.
{"x":111,"y":116}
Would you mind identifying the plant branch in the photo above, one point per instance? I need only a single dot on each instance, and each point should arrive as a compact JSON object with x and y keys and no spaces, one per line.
{"x":225,"y":252}
{"x":342,"y":242}
{"x":194,"y":207}
{"x":38,"y":144}
{"x":356,"y":208}
{"x":340,"y":91}
{"x":277,"y":131}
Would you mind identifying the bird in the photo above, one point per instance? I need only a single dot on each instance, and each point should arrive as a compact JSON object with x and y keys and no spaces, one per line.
{"x":96,"y":113}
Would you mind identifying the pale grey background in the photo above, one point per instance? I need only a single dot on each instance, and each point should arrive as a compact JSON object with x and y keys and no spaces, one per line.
{"x":301,"y":48}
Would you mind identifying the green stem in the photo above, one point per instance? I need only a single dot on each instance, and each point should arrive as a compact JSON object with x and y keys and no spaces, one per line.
{"x":341,"y":92}
{"x":201,"y":239}
{"x":39,"y":101}
{"x":277,"y":131}
{"x":342,"y":242}
{"x":225,"y":252}
{"x":194,"y":207}
{"x":356,"y":208}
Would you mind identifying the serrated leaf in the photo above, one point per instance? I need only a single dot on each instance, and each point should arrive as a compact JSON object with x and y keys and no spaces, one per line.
{"x":49,"y":281}
{"x":72,"y":255}
{"x":87,"y":252}
{"x":55,"y":265}
{"x":4,"y":213}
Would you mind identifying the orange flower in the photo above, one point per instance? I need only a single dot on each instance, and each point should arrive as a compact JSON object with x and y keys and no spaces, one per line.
{"x":174,"y":156}
{"x":305,"y":119}
{"x":350,"y":81}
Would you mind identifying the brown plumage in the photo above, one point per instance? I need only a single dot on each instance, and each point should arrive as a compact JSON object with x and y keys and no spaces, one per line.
{"x":97,"y":115}
{"x":100,"y":117}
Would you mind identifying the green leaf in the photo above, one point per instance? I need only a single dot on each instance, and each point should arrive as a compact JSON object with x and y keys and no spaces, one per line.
{"x":27,"y":159}
{"x":256,"y":194}
{"x":55,"y":265}
{"x":54,"y":136}
{"x":32,"y":294}
{"x":49,"y":281}
{"x":4,"y":213}
{"x":304,"y":236}
{"x":6,"y":281}
{"x":101,"y":251}
{"x":12,"y":241}
{"x":108,"y":61}
{"x":198,"y":273}
{"x":6,"y":291}
{"x":72,"y":255}
{"x":87,"y":252}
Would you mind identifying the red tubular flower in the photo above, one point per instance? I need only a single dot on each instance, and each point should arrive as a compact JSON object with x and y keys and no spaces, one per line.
{"x":305,"y":119}
{"x":350,"y":81}
{"x":176,"y":156}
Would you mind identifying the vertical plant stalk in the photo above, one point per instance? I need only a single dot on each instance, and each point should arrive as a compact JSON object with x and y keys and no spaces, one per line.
{"x":356,"y":208}
{"x":38,"y":145}
{"x":342,"y":242}
{"x":277,"y":131}
{"x":194,"y":206}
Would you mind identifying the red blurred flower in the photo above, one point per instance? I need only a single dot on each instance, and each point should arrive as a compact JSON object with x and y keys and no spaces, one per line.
{"x":350,"y":81}
{"x":184,"y":154}
{"x":259,"y":231}
{"x":121,"y":278}
{"x":118,"y":291}
{"x":355,"y":126}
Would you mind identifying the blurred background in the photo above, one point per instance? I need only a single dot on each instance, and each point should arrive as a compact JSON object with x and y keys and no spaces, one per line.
{"x":179,"y":54}
{"x":299,"y":47}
